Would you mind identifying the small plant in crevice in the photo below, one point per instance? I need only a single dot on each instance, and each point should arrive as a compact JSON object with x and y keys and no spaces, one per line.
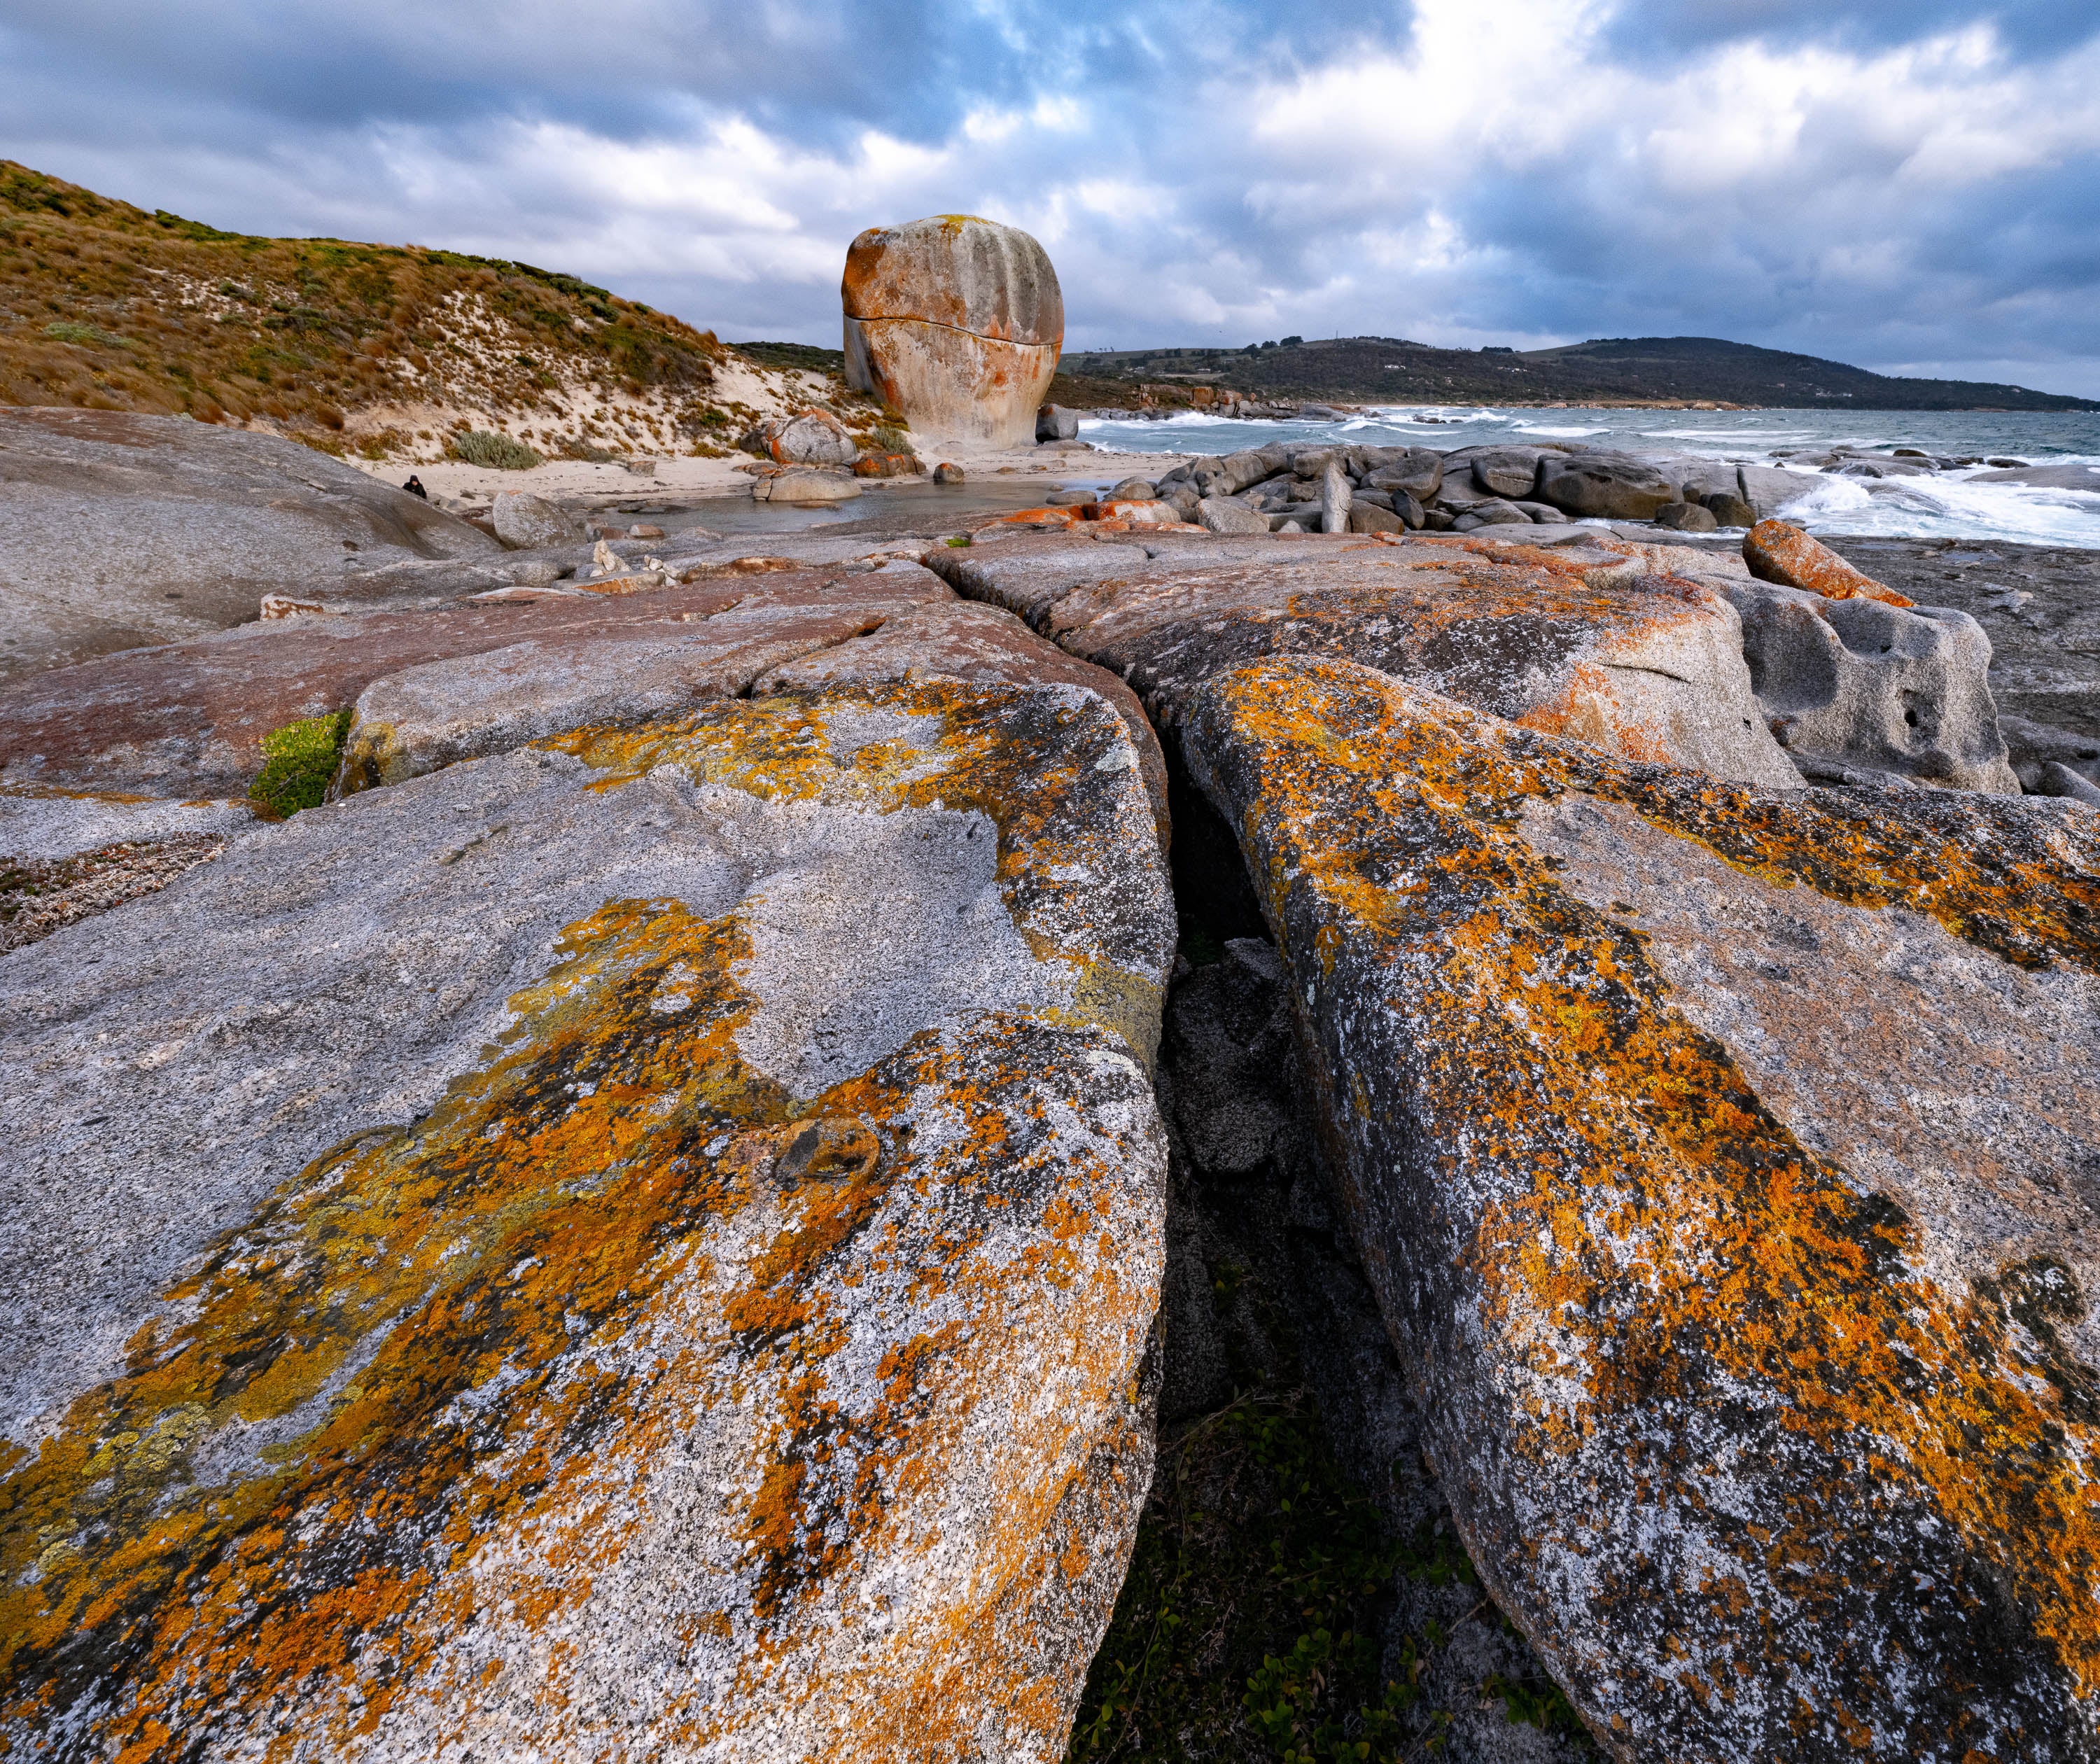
{"x":299,"y":760}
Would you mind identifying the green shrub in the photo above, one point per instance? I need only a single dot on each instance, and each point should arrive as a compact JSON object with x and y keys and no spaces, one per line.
{"x":67,"y":331}
{"x":298,"y":762}
{"x":886,"y":440}
{"x":480,"y":446}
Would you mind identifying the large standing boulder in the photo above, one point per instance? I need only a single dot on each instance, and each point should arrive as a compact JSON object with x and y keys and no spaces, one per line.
{"x":1723,"y":1161}
{"x":956,"y":321}
{"x":642,"y":1246}
{"x":118,"y":530}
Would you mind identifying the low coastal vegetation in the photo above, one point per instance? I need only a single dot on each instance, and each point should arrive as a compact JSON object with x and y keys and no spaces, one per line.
{"x":382,"y":352}
{"x":1669,"y":372}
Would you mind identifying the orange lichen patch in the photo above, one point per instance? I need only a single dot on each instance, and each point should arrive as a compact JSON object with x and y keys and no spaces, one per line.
{"x":601,"y":1407}
{"x":1752,"y":1482}
{"x":1100,"y":517}
{"x":1036,"y":763}
{"x":395,"y":1278}
{"x":1777,"y":551}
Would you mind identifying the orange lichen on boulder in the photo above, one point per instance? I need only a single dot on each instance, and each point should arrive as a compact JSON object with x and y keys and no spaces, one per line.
{"x":722,"y":1365}
{"x":1777,"y":551}
{"x":1584,"y":640}
{"x":1774,"y":1447}
{"x":1103,"y":517}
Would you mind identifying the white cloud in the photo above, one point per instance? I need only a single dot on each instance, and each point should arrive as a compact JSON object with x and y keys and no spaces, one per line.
{"x":1503,"y":173}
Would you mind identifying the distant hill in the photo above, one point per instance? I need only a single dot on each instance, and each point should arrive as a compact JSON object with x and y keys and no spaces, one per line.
{"x":379,"y":351}
{"x":1646,"y":370}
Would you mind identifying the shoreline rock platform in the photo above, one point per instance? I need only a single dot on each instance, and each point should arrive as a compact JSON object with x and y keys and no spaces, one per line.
{"x":670,"y":1211}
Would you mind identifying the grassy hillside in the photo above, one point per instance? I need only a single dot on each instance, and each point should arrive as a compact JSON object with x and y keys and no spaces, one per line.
{"x":382,"y":350}
{"x":1653,"y":370}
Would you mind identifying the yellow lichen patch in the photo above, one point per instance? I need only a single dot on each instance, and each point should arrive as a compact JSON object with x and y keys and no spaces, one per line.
{"x":1710,"y":1365}
{"x":396,"y":1275}
{"x":409,"y":1445}
{"x":1034,"y":762}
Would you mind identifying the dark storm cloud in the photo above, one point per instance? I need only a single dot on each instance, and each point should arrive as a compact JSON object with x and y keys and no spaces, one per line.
{"x":1911,"y":184}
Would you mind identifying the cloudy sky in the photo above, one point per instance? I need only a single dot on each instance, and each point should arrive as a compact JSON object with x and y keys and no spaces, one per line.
{"x":1913,"y":185}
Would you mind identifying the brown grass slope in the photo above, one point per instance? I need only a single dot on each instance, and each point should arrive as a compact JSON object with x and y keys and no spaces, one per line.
{"x":383,"y":351}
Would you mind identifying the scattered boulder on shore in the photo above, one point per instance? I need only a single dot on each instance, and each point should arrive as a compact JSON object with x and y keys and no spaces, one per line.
{"x":804,"y":483}
{"x":1612,"y":486}
{"x":527,"y":523}
{"x":1779,"y":552}
{"x":1053,"y":423}
{"x":1861,"y":685}
{"x":1752,"y":1341}
{"x":956,"y":321}
{"x":805,"y":437}
{"x":702,"y":1228}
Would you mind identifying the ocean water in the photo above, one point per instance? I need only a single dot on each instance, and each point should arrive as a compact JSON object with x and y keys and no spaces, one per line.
{"x":1948,"y":505}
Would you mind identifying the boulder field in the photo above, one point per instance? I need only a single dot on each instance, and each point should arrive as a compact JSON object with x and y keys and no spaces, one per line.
{"x":1325,"y":487}
{"x":665,"y":1219}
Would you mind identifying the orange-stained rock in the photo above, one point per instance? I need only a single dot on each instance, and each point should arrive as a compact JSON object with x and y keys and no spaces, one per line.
{"x":1120,"y":517}
{"x":806,"y":437}
{"x":956,"y":321}
{"x":1593,"y":641}
{"x":887,"y":465}
{"x":186,"y":719}
{"x":1777,"y":551}
{"x":1724,"y":1161}
{"x":643,"y":1247}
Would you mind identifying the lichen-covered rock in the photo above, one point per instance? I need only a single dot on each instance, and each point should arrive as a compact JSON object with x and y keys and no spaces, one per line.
{"x":1723,"y":1160}
{"x":117,"y":530}
{"x":465,"y":707}
{"x":643,"y":1247}
{"x":1595,"y":640}
{"x":187,"y":719}
{"x":1863,"y":685}
{"x":1778,"y":552}
{"x":803,"y":437}
{"x":956,"y":321}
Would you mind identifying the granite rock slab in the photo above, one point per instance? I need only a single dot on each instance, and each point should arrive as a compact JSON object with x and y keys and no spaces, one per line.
{"x":1723,"y":1160}
{"x":642,"y":1246}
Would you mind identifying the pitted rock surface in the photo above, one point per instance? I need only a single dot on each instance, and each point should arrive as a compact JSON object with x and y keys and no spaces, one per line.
{"x":1861,"y":682}
{"x":118,"y":530}
{"x":1723,"y":1160}
{"x":482,"y":1279}
{"x":1593,"y":641}
{"x":187,"y":718}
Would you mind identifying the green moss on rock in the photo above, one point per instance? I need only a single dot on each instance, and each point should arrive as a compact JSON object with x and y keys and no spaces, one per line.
{"x":298,"y":762}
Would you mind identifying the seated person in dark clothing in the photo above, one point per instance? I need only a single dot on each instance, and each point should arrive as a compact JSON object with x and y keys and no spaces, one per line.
{"x":414,"y":486}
